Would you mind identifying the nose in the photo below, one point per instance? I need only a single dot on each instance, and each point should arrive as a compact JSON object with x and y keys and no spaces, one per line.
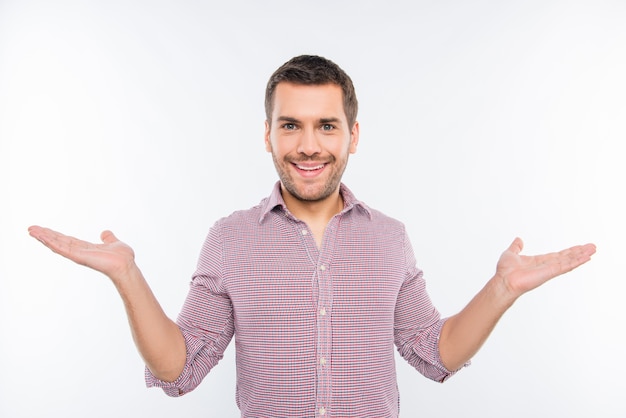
{"x":309,"y":143}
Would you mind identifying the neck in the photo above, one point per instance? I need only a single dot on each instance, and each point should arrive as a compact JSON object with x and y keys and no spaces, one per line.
{"x":313,"y":212}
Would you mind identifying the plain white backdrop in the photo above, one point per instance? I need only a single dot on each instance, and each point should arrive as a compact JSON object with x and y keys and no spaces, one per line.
{"x":480,"y":121}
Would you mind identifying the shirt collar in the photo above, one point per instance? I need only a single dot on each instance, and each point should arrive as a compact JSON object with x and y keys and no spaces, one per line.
{"x":276,"y":200}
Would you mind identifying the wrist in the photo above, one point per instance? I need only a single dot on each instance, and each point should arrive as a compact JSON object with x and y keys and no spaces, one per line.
{"x":126,"y":277}
{"x":503,"y":295}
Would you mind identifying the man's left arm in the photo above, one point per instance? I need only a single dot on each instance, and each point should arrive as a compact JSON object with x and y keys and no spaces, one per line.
{"x":463,"y":334}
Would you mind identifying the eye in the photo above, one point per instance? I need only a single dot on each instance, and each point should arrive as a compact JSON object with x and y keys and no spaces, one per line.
{"x":327,"y":127}
{"x":289,"y":126}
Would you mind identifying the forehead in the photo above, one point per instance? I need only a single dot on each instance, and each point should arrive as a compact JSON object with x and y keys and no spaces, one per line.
{"x":303,"y":100}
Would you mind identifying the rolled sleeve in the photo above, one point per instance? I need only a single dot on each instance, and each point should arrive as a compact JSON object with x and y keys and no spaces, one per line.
{"x":418,"y":324}
{"x":206,"y":321}
{"x":185,"y":382}
{"x":427,"y":343}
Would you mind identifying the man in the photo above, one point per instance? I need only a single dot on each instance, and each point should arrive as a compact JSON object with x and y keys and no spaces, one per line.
{"x":316,"y":286}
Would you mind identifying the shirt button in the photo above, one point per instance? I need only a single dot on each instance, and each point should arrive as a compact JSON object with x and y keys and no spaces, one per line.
{"x":323,"y":361}
{"x":323,"y":311}
{"x":305,"y":232}
{"x":322,"y":411}
{"x":322,"y":267}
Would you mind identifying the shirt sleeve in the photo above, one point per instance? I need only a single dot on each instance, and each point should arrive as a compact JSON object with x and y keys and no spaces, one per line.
{"x":418,"y":323}
{"x":206,"y":321}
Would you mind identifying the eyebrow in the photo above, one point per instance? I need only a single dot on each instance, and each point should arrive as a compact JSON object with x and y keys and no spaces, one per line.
{"x":330,"y":120}
{"x":289,"y":119}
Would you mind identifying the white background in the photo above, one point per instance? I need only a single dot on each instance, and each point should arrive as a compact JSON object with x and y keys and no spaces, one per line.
{"x":480,"y":121}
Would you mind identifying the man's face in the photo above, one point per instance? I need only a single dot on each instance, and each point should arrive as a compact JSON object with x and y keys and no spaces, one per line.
{"x":310,"y":139}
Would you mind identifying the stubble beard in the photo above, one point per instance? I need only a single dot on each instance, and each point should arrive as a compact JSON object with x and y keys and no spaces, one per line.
{"x":290,"y":185}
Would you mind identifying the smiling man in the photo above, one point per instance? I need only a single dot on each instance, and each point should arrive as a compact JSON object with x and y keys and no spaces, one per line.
{"x":310,"y":138}
{"x":316,"y":286}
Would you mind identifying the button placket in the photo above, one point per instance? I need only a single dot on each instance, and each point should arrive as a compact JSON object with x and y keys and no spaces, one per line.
{"x":324,"y":324}
{"x":323,"y":337}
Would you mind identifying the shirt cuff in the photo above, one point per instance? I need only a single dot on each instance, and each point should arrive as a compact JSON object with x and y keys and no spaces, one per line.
{"x":183,"y":383}
{"x":446,"y":374}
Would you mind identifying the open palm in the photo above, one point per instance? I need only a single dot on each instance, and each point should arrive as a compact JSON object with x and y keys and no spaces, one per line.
{"x":112,"y":257}
{"x":523,"y":273}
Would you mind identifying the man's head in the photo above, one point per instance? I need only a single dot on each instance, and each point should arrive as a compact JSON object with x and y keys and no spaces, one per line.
{"x":312,"y":70}
{"x":311,"y":128}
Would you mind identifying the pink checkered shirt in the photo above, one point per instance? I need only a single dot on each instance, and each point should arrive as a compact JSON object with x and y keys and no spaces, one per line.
{"x":314,"y":328}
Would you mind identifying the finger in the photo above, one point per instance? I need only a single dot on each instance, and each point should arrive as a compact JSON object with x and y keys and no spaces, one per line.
{"x":516,"y":246}
{"x":566,"y":260}
{"x":35,"y":231}
{"x":57,"y":242}
{"x":108,"y":237}
{"x":45,"y":235}
{"x":589,"y":249}
{"x":580,"y":254}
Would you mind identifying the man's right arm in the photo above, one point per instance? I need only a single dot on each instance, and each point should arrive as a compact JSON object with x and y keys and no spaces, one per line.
{"x":158,"y":339}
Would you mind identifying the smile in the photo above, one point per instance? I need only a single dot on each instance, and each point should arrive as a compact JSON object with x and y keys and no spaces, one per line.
{"x":310,"y":168}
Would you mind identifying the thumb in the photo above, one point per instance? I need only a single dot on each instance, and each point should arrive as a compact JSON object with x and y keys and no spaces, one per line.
{"x":516,"y":246}
{"x":108,"y":237}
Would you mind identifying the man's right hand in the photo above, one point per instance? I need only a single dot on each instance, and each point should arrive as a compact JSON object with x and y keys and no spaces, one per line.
{"x":112,"y":258}
{"x":159,"y":340}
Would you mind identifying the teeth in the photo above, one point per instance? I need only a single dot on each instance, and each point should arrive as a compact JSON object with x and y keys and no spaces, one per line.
{"x":311,"y":168}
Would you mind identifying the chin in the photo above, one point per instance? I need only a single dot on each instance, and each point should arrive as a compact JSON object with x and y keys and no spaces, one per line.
{"x":316,"y":195}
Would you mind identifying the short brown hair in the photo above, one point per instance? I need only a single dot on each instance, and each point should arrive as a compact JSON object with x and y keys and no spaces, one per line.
{"x":313,"y":70}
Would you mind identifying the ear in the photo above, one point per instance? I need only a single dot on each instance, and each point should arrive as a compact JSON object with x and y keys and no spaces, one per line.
{"x":354,"y":137}
{"x":268,"y":144}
